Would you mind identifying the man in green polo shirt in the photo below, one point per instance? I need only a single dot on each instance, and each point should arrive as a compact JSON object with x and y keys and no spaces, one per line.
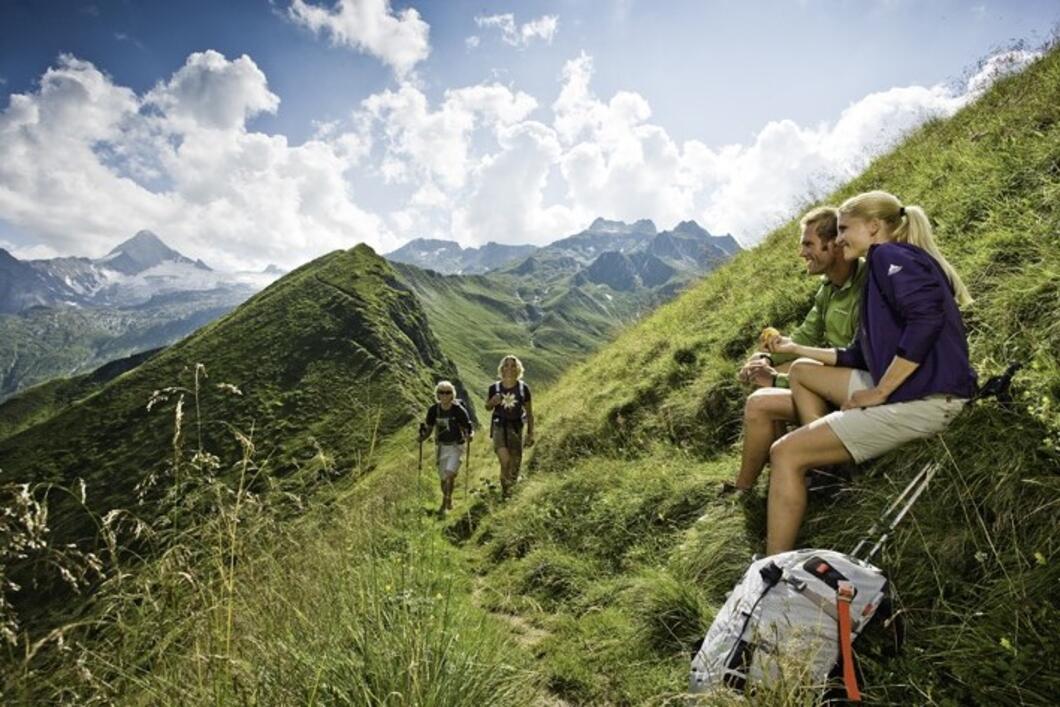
{"x":831,"y":322}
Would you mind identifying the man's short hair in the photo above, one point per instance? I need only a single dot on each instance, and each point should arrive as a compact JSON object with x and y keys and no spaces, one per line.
{"x":824,"y":220}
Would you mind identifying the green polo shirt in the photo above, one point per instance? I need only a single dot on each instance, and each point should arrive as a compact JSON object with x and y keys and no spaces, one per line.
{"x":832,"y":322}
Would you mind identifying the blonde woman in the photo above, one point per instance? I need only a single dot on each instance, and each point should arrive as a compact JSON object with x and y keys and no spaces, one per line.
{"x":449,"y":422}
{"x":510,"y":401}
{"x":905,"y":376}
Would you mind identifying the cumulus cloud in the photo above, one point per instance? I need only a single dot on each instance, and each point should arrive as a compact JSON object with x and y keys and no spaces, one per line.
{"x":601,"y":156}
{"x":88,"y":163}
{"x":433,"y":144}
{"x":520,"y":35}
{"x":211,"y":92}
{"x":399,"y":40}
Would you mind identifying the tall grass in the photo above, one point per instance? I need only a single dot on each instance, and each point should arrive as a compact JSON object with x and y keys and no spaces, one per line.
{"x":256,"y":596}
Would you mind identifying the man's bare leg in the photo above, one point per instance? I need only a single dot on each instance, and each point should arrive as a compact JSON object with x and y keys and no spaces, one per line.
{"x":766,"y":410}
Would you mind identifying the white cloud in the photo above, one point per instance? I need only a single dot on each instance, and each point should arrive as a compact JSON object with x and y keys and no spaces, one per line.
{"x":505,"y":203}
{"x":400,"y":41}
{"x":430,"y":144}
{"x":472,"y":42}
{"x":211,"y":92}
{"x":87,"y":163}
{"x":999,"y":66}
{"x":520,"y":35}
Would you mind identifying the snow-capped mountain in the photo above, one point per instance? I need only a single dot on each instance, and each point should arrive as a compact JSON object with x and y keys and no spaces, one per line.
{"x":130,"y":274}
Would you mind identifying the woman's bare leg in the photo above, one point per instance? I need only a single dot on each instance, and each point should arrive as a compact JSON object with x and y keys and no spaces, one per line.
{"x":763,"y":410}
{"x":789,"y":458}
{"x":505,"y":458}
{"x":815,"y":387}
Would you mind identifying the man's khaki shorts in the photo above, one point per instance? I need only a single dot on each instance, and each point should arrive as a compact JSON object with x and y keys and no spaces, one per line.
{"x":871,"y":432}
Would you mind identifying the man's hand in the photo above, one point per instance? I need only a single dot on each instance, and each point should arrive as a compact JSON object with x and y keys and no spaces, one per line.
{"x":781,"y":344}
{"x":757,"y":372}
{"x":868,"y":398}
{"x":762,"y":376}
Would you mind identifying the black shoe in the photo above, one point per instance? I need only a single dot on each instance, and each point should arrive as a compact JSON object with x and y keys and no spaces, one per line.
{"x":728,"y":488}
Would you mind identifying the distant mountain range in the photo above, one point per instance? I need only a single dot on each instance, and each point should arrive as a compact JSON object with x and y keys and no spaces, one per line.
{"x":450,"y":258}
{"x":67,"y":315}
{"x":623,"y":256}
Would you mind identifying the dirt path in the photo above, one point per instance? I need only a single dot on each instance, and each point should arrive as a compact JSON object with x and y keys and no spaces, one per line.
{"x":526,"y":635}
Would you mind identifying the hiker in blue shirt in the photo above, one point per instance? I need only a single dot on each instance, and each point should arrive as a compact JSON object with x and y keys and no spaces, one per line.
{"x":449,"y":422}
{"x":905,"y":376}
{"x":509,"y":399}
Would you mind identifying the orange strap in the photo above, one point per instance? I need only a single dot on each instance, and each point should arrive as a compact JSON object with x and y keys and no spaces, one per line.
{"x":844,"y":595}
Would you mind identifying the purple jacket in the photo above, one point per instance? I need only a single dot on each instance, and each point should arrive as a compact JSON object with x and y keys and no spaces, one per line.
{"x":908,"y":310}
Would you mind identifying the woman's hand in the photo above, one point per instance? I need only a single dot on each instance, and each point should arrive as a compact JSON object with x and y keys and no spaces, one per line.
{"x":870,"y":397}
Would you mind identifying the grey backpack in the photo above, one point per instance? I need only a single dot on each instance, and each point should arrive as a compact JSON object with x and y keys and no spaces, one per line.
{"x":799,"y":613}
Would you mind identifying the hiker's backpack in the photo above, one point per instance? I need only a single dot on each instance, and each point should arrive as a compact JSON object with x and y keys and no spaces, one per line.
{"x":789,"y":615}
{"x":796,"y":614}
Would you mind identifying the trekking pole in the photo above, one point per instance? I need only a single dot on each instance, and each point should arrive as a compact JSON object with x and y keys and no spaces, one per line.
{"x":419,"y":467}
{"x":467,"y":474}
{"x":908,"y":496}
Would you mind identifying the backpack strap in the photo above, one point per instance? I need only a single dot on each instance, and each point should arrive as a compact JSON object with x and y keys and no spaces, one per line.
{"x":844,"y":595}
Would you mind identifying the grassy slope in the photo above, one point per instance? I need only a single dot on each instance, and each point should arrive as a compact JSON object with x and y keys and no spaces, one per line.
{"x":621,"y":550}
{"x":480,"y":318}
{"x":35,"y":405}
{"x":359,"y":359}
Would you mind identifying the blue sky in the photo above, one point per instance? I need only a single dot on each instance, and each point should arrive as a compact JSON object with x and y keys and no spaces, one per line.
{"x":250,"y":132}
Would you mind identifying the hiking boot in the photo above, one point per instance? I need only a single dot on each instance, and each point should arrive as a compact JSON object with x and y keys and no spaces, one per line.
{"x":449,"y":503}
{"x":728,"y":488}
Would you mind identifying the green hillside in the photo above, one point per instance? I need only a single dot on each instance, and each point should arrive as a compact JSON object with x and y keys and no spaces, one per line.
{"x":620,"y":549}
{"x":43,"y":343}
{"x":593,"y":583}
{"x":358,"y":357}
{"x":37,"y":404}
{"x":541,"y":316}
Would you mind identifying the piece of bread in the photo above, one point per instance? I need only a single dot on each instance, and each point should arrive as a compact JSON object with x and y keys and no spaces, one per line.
{"x":767,"y":334}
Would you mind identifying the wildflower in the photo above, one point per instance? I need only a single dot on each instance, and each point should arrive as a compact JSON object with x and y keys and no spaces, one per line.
{"x":1040,"y":558}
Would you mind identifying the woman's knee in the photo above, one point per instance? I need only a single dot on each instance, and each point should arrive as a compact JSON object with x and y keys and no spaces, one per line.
{"x":801,"y":370}
{"x":785,"y":454}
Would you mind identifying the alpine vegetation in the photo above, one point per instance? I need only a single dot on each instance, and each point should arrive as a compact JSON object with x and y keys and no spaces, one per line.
{"x":267,"y":534}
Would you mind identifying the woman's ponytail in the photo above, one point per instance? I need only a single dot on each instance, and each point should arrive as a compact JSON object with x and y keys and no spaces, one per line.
{"x":906,"y":224}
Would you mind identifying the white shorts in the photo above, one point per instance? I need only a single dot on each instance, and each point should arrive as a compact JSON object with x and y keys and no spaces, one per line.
{"x":870,"y":432}
{"x":448,"y":456}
